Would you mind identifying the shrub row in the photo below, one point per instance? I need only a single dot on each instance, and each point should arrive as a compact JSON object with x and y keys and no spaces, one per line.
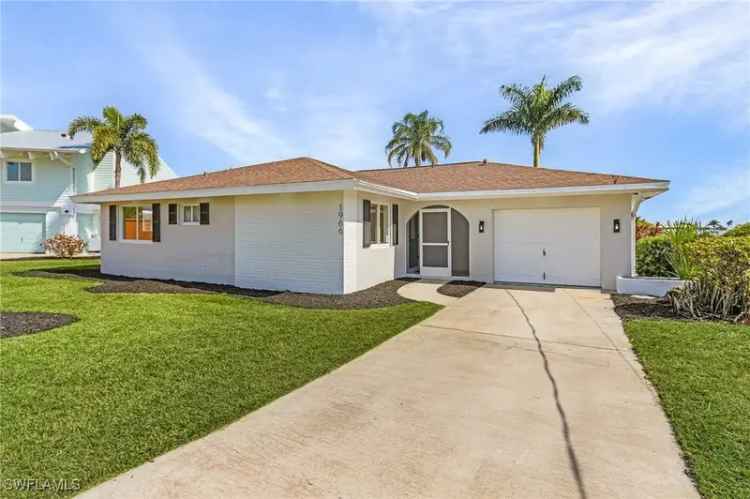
{"x":720,"y":285}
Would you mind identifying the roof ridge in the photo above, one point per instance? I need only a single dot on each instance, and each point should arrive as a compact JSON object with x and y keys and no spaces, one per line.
{"x":327,"y":165}
{"x":496,"y":163}
{"x":406,"y":168}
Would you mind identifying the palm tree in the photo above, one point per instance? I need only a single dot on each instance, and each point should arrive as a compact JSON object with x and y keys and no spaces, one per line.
{"x":537,"y":110}
{"x":123,"y":135}
{"x":413,"y":139}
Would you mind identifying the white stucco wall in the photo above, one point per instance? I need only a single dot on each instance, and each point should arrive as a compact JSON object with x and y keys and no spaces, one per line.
{"x":202,"y":253}
{"x":290,"y":241}
{"x":312,"y":242}
{"x":365,"y":267}
{"x":615,"y":248}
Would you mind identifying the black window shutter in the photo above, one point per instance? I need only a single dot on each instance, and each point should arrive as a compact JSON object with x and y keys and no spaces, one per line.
{"x":366,"y":223}
{"x":156,"y":222}
{"x":112,"y":222}
{"x":394,"y":235}
{"x":204,"y":214}
{"x":172,"y":214}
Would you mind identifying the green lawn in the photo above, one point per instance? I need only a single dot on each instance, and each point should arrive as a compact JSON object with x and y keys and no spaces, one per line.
{"x":702,"y":374}
{"x":139,"y":375}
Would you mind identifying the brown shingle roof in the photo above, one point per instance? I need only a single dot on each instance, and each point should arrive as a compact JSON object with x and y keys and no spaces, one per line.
{"x":477,"y":176}
{"x":276,"y":172}
{"x":469,"y":176}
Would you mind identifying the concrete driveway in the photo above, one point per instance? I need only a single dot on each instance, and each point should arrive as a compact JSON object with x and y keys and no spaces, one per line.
{"x":504,"y":393}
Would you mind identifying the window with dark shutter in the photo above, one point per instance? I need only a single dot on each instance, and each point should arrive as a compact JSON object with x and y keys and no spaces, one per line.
{"x":394,"y":222}
{"x":204,"y":214}
{"x":366,"y":239}
{"x":172,"y":214}
{"x":156,"y":222}
{"x":112,"y":222}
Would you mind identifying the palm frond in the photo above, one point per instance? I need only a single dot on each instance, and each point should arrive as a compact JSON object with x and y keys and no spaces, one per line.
{"x":413,"y":139}
{"x":113,"y":117}
{"x":83,"y":124}
{"x":105,"y":140}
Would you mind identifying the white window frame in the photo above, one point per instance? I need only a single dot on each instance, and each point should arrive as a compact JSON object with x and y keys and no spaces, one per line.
{"x":122,"y":223}
{"x":195,"y":208}
{"x":377,"y":223}
{"x":18,"y":162}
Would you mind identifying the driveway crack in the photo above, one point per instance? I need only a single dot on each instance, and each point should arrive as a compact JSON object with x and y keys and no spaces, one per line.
{"x":572,"y":458}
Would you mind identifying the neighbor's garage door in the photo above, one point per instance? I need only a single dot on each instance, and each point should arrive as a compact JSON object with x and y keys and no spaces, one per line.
{"x":551,"y":246}
{"x":21,"y":232}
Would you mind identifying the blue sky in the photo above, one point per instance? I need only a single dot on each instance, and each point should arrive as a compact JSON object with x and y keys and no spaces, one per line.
{"x":224,"y":84}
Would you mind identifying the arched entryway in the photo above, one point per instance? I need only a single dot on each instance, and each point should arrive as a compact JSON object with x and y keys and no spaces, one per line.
{"x":438,"y":243}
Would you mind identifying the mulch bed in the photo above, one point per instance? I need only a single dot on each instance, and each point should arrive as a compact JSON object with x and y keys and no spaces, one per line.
{"x":459,"y":289}
{"x":21,"y":323}
{"x":381,"y":295}
{"x":631,"y":307}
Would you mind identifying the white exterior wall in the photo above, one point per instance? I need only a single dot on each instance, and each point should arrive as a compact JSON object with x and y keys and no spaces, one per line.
{"x":203,"y":253}
{"x":615,"y":248}
{"x":312,"y":242}
{"x":290,"y":242}
{"x":365,"y":267}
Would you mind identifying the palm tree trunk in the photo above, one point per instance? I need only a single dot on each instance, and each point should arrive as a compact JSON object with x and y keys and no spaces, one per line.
{"x":537,"y":152}
{"x":118,"y":168}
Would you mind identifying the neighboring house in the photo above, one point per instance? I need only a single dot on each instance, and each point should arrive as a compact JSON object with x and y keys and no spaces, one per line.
{"x":305,"y":225}
{"x":41,"y":169}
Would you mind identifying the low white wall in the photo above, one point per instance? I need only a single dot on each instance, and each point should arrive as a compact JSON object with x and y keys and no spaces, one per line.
{"x":289,"y":241}
{"x":203,"y":253}
{"x":650,"y":286}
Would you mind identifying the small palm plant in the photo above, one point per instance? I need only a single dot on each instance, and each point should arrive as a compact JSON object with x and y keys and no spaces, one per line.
{"x":681,"y":233}
{"x":537,"y":110}
{"x":414,"y":138}
{"x":123,"y":135}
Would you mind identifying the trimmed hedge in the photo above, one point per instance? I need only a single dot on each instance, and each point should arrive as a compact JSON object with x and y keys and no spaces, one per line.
{"x":652,"y":257}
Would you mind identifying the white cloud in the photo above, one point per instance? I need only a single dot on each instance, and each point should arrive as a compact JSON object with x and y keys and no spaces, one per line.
{"x":203,"y":108}
{"x":723,"y":194}
{"x":692,"y":53}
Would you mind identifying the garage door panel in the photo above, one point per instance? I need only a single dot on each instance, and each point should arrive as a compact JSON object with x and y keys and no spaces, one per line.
{"x":553,"y":246}
{"x":527,"y":266}
{"x":21,"y":232}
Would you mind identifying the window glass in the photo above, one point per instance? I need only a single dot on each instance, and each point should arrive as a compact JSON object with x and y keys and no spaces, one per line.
{"x":379,"y":228}
{"x":12,"y":172}
{"x":373,"y":222}
{"x":383,"y":229}
{"x":137,"y":223}
{"x":191,"y":214}
{"x":130,"y":222}
{"x":145,"y":228}
{"x":25,"y":172}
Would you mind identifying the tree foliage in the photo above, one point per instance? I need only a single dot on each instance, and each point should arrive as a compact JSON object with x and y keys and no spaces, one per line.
{"x":123,"y":135}
{"x":415,"y":137}
{"x":537,"y":110}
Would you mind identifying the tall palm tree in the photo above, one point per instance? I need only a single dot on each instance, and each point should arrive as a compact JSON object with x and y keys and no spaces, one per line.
{"x":413,"y":139}
{"x":536,"y":110}
{"x":123,"y":135}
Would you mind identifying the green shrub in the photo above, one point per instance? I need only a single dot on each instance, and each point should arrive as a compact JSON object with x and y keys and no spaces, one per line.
{"x":652,"y":257}
{"x":681,"y":233}
{"x":720,"y":287}
{"x":741,"y":230}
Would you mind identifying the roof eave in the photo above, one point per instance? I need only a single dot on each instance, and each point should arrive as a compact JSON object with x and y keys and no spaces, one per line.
{"x":316,"y":186}
{"x":652,"y":187}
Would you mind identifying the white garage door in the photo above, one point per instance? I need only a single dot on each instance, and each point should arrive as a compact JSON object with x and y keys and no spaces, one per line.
{"x":551,"y":246}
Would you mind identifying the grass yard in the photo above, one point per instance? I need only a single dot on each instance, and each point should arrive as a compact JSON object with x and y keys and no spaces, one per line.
{"x":702,"y":373}
{"x":140,"y":374}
